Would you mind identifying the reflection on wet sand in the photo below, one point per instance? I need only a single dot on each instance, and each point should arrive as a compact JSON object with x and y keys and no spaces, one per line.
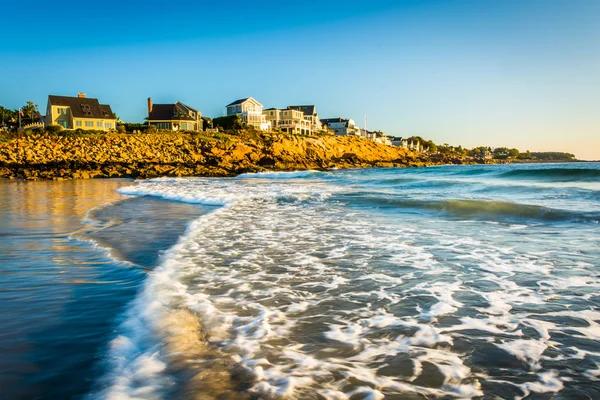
{"x":47,"y":282}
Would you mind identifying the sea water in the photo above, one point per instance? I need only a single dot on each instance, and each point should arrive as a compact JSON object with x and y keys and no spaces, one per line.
{"x":443,"y":282}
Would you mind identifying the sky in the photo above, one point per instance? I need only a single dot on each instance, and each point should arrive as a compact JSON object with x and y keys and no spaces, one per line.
{"x":515,"y":73}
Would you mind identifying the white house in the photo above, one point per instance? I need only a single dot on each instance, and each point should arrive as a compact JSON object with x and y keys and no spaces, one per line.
{"x":341,"y":126}
{"x":411,"y":144}
{"x":250,"y":112}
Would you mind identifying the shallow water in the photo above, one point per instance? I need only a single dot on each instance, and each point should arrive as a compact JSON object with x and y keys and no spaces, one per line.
{"x":61,"y":293}
{"x":445,"y":282}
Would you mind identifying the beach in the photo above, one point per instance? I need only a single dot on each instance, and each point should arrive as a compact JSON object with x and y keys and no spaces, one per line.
{"x":466,"y":281}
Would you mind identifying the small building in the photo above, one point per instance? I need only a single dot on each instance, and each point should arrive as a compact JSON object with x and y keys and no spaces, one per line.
{"x":79,"y":112}
{"x":341,"y":126}
{"x":250,"y":112}
{"x":411,"y":144}
{"x":485,"y":155}
{"x":174,"y":117}
{"x":396,"y":141}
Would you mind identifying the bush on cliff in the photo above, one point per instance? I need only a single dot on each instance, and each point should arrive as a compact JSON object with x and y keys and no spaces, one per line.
{"x":53,"y":129}
{"x":228,"y":123}
{"x":131,"y":127}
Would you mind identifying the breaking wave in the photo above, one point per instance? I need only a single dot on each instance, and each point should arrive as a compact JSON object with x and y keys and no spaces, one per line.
{"x":280,"y":175}
{"x":555,"y":174}
{"x":476,"y":209}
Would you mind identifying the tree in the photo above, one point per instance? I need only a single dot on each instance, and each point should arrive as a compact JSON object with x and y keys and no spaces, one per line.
{"x":513,"y":153}
{"x":229,"y":122}
{"x":30,"y":110}
{"x":7,"y":117}
{"x":432,"y":147}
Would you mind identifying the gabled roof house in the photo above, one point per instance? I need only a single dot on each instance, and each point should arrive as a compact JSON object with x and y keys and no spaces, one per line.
{"x":174,"y":117}
{"x":250,"y":112}
{"x":79,"y":112}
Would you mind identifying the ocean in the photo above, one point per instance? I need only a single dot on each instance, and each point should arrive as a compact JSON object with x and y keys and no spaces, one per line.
{"x":477,"y":281}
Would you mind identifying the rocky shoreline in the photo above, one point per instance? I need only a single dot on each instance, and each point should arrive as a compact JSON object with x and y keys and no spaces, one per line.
{"x":140,"y":156}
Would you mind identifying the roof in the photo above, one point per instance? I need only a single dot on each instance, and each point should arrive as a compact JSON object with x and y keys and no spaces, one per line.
{"x":240,"y":101}
{"x":85,"y":107}
{"x":330,"y":120}
{"x":170,"y":112}
{"x":307,"y":110}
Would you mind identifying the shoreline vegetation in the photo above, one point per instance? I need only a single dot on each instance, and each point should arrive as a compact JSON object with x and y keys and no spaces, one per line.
{"x":71,"y":155}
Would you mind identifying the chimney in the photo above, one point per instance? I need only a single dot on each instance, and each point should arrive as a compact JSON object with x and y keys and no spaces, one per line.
{"x":149,"y":105}
{"x":81,"y":95}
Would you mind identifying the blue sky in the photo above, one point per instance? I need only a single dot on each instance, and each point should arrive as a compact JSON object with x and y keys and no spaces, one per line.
{"x":520,"y":73}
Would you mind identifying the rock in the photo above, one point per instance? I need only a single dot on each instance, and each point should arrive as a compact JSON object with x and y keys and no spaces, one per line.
{"x":150,"y":155}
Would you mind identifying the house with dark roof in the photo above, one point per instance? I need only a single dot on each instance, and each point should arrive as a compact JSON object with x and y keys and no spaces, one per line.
{"x":174,"y":117}
{"x":250,"y":112}
{"x":342,"y":126}
{"x":302,"y":120}
{"x":79,"y":112}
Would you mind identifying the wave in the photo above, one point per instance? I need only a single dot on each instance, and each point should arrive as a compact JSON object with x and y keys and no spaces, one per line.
{"x":193,"y":198}
{"x":555,"y":174}
{"x":160,"y":338}
{"x":280,"y":175}
{"x":482,"y":209}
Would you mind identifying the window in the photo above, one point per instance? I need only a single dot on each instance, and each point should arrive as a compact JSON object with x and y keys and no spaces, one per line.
{"x":99,"y":124}
{"x":62,"y":123}
{"x":89,"y":124}
{"x":108,"y":125}
{"x":85,"y":108}
{"x":61,"y":111}
{"x":78,"y":123}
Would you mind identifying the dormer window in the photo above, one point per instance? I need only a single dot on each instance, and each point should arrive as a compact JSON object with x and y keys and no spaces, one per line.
{"x":85,"y":108}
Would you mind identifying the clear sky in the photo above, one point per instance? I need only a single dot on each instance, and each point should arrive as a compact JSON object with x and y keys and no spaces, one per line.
{"x":516,"y":73}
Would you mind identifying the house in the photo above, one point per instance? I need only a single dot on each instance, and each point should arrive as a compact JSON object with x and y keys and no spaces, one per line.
{"x":411,"y":144}
{"x":311,"y":118}
{"x":341,"y":126}
{"x":174,"y":117}
{"x":79,"y":112}
{"x":302,"y":120}
{"x":250,"y":112}
{"x":396,"y":141}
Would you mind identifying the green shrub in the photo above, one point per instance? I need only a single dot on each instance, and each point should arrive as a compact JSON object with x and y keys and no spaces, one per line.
{"x":229,"y":122}
{"x":53,"y":129}
{"x":121,"y":129}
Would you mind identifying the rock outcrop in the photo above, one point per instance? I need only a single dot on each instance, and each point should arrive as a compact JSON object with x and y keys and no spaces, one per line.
{"x":177,"y":154}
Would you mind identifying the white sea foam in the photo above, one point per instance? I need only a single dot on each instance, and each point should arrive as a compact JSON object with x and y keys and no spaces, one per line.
{"x":548,"y":382}
{"x":279,"y":175}
{"x":313,"y":298}
{"x":186,"y":197}
{"x":529,"y":351}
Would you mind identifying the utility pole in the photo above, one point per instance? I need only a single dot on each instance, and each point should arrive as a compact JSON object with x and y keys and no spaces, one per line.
{"x":17,"y":145}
